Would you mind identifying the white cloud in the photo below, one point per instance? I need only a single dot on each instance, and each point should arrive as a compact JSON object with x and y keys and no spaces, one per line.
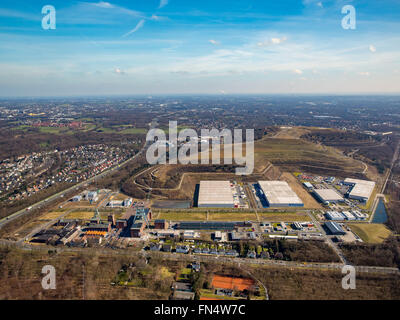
{"x":214,"y":42}
{"x":103,"y":4}
{"x":319,"y":4}
{"x":365,"y":74}
{"x":163,"y":3}
{"x":372,"y":48}
{"x":272,"y":41}
{"x":298,"y":71}
{"x":119,"y":71}
{"x":138,"y":26}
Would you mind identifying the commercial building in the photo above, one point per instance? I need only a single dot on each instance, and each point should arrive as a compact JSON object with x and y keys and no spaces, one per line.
{"x":92,"y":196}
{"x":334,"y":215}
{"x":327,"y":196}
{"x":348,"y":215}
{"x":279,"y":194}
{"x":308,"y":185}
{"x":334,"y":228}
{"x":361,"y":189}
{"x":215,"y":194}
{"x":161,"y":224}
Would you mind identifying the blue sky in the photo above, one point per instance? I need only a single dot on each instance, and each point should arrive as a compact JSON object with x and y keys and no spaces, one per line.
{"x":186,"y":46}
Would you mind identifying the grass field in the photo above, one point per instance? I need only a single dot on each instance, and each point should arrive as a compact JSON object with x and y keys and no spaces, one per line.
{"x":182,"y":216}
{"x":232,"y":216}
{"x":284,"y":216}
{"x":51,"y":215}
{"x":370,"y":232}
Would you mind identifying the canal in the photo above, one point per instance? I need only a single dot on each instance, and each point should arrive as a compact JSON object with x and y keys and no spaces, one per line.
{"x":380,"y":215}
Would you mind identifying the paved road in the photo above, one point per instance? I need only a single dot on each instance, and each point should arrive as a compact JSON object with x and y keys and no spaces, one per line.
{"x":328,"y":239}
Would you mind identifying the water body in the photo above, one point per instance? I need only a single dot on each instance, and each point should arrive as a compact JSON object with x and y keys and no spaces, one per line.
{"x":380,"y":215}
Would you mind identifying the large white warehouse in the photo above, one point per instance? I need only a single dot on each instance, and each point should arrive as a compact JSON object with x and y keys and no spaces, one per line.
{"x":328,"y":196}
{"x":362,"y":189}
{"x":279,"y":194}
{"x":215,"y":194}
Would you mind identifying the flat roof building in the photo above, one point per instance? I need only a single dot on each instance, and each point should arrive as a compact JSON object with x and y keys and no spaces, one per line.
{"x":328,"y":196}
{"x":362,"y":189}
{"x":215,"y":194}
{"x":348,"y":215}
{"x":334,"y":228}
{"x":334,"y":215}
{"x":279,"y":194}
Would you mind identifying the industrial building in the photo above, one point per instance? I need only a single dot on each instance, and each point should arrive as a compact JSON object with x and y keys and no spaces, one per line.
{"x":161,"y":224}
{"x":334,"y":228}
{"x":361,"y":189}
{"x":334,"y":215}
{"x":327,"y":196}
{"x":279,"y":194}
{"x":215,"y":194}
{"x":348,"y":215}
{"x":206,"y":225}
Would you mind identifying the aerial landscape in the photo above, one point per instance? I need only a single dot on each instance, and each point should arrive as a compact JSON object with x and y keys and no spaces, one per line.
{"x":173,"y":150}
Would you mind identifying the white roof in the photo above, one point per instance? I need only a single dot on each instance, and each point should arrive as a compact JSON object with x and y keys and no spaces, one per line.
{"x":328,"y":194}
{"x":215,"y":192}
{"x":362,"y":188}
{"x":279,"y":192}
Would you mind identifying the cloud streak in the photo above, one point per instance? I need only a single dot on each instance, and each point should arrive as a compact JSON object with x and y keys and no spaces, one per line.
{"x":163,"y":3}
{"x":138,"y":26}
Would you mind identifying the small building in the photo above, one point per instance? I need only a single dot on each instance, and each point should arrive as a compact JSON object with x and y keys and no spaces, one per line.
{"x":161,"y":224}
{"x":182,"y":249}
{"x":121,"y":223}
{"x":155,"y":247}
{"x":77,"y":198}
{"x":137,"y":229}
{"x":348,"y":215}
{"x":166,"y":248}
{"x":101,"y":227}
{"x":92,"y":196}
{"x":308,"y":185}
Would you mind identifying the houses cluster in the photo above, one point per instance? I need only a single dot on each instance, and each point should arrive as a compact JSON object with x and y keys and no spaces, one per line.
{"x":26,"y":175}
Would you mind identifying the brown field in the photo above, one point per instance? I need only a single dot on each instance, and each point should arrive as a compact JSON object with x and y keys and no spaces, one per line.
{"x":371,"y":232}
{"x":303,"y":194}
